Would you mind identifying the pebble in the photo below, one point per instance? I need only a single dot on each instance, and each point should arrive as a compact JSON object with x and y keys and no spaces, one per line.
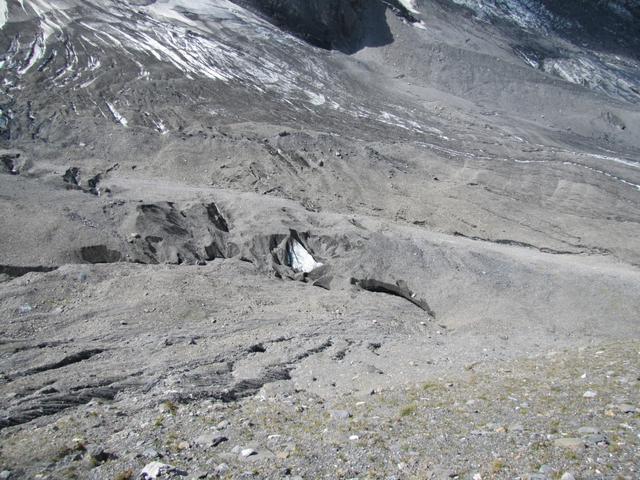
{"x":248,"y":452}
{"x":588,"y":431}
{"x":209,"y":440}
{"x":340,"y":414}
{"x":154,"y":470}
{"x":151,"y":454}
{"x":5,"y":475}
{"x":353,"y":438}
{"x":590,"y":394}
{"x":546,"y":469}
{"x":26,"y":308}
{"x":597,"y":439}
{"x":516,"y":427}
{"x":626,"y":408}
{"x":222,"y":469}
{"x":98,"y":454}
{"x":569,"y":443}
{"x":567,"y":476}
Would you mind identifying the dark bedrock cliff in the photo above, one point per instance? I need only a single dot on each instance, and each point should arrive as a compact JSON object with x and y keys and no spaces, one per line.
{"x":345,"y":25}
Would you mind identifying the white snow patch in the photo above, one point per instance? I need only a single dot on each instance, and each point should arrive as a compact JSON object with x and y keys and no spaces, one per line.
{"x":160,"y":127}
{"x":316,"y":99}
{"x":623,"y":161}
{"x":409,"y":5}
{"x":300,"y":259}
{"x":116,"y":115}
{"x":606,"y":174}
{"x":93,"y":63}
{"x":526,"y":14}
{"x":36,"y":52}
{"x":89,"y":82}
{"x":4,"y":13}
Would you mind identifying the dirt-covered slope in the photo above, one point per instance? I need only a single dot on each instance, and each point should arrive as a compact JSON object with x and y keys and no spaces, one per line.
{"x":212,"y":211}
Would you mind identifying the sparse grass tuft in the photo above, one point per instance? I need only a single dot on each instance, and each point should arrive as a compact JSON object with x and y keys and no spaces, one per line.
{"x":169,"y":406}
{"x":497,"y":465}
{"x":77,"y":446}
{"x":124,"y":475}
{"x":408,"y":410}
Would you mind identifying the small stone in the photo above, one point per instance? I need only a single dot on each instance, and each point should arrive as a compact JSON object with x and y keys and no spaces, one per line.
{"x":536,"y":476}
{"x":210,"y":440}
{"x":340,"y":415}
{"x":516,"y":427}
{"x":5,"y":475}
{"x":353,"y":438}
{"x":222,"y":469}
{"x":626,"y":408}
{"x":477,"y":476}
{"x":588,"y":431}
{"x":569,"y":443}
{"x":590,"y":394}
{"x":151,"y":454}
{"x":567,"y":476}
{"x":184,"y":445}
{"x":24,"y":309}
{"x":248,"y":452}
{"x":154,"y":470}
{"x":222,"y":425}
{"x":597,"y":439}
{"x":98,"y":454}
{"x":546,"y":469}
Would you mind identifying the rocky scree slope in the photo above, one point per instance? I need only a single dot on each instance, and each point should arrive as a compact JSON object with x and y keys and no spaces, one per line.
{"x":202,"y":201}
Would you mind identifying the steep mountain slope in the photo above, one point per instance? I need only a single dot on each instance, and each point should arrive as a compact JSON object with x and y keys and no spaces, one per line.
{"x":202,"y":200}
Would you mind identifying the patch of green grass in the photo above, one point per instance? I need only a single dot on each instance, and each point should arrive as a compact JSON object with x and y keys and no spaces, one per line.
{"x":430,"y":386}
{"x":571,"y":455}
{"x":497,"y":465}
{"x":408,"y":410}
